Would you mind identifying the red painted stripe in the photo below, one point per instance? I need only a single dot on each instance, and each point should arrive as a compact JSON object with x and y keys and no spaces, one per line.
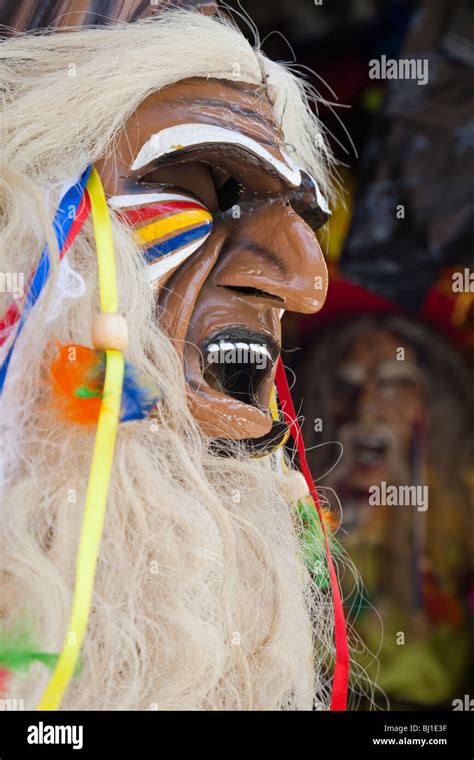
{"x":134,"y":216}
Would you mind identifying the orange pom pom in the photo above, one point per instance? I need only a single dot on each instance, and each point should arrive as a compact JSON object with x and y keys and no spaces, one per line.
{"x":77,"y":376}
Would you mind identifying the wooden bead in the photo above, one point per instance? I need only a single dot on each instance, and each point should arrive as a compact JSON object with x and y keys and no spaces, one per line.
{"x":109,"y":331}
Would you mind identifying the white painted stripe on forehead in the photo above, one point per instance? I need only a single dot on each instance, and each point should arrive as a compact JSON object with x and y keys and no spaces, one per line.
{"x":138,"y":199}
{"x":181,"y":136}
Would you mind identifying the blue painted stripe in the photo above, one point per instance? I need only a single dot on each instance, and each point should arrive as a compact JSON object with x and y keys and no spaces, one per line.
{"x":178,"y":241}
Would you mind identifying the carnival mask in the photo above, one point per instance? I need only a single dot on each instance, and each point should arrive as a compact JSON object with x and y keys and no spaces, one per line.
{"x":226,"y":221}
{"x":377,"y":404}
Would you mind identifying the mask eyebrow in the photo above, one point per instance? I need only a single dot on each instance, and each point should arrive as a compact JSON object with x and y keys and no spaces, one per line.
{"x":173,"y":139}
{"x":396,"y":370}
{"x":351,"y":373}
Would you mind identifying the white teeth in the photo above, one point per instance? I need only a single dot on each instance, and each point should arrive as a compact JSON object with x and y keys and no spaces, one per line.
{"x":259,"y":349}
{"x":370,"y":439}
{"x":367,"y":457}
{"x":256,"y":348}
{"x":238,"y":353}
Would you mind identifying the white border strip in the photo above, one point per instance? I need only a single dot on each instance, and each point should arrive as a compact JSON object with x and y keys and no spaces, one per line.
{"x":182,"y":136}
{"x":171,"y":260}
{"x":138,"y":199}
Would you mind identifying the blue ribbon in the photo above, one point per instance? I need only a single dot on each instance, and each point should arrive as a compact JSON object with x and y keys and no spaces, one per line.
{"x":62,"y":224}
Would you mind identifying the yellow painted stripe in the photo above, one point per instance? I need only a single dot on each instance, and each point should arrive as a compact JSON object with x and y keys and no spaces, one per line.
{"x":174,"y":223}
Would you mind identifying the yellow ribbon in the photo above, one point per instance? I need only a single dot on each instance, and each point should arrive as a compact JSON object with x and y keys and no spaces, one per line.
{"x":274,"y":405}
{"x":101,"y":465}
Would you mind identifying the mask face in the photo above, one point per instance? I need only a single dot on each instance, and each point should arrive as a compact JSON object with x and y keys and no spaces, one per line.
{"x":226,"y":221}
{"x":376,"y":404}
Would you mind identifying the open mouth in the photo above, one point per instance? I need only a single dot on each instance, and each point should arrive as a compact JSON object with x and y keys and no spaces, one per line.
{"x":239,"y":363}
{"x":369,"y":449}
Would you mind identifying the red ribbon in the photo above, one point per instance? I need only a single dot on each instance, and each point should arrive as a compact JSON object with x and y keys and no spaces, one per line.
{"x":341,"y":668}
{"x":13,"y":313}
{"x":4,"y":678}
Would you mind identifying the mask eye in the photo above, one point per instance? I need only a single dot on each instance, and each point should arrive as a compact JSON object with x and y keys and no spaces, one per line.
{"x":214,"y":187}
{"x":193,"y":177}
{"x":229,"y":194}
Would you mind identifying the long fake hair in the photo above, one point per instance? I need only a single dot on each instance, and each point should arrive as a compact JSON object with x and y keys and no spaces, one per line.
{"x":202,"y":599}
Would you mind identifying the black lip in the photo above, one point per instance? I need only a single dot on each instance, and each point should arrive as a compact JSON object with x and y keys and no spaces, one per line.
{"x":253,"y":447}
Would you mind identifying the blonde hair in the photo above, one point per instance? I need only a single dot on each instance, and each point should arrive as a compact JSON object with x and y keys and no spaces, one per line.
{"x":202,"y":599}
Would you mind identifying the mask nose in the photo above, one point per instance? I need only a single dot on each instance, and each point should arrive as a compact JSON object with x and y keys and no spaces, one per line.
{"x":273,"y":253}
{"x":369,"y":402}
